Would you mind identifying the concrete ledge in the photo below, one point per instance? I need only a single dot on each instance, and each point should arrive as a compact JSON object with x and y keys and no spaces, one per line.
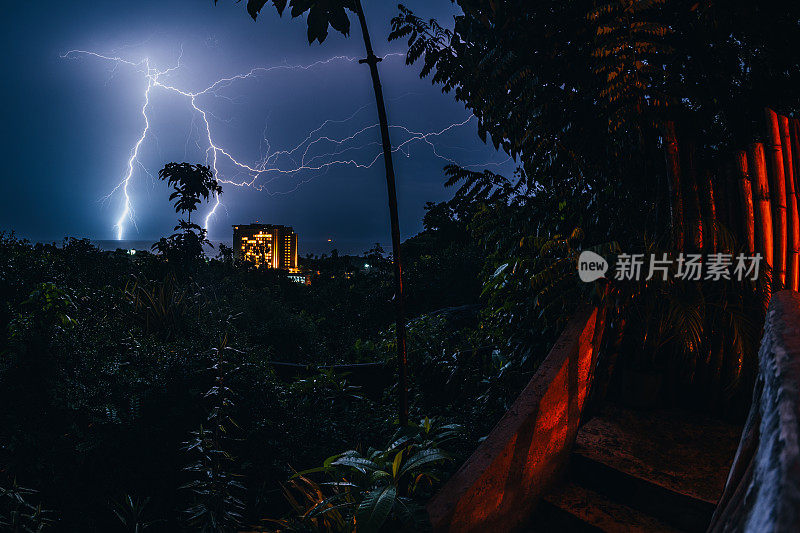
{"x":763,"y":488}
{"x":498,"y":486}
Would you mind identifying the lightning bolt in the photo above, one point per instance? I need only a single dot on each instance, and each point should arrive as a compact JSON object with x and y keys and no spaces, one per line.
{"x":282,"y":162}
{"x":127,"y":210}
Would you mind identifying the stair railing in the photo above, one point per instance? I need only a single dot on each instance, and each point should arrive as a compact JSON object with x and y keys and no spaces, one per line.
{"x":762,"y":492}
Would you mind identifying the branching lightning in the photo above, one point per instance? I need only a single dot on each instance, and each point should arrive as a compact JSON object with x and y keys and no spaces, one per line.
{"x":300,"y":158}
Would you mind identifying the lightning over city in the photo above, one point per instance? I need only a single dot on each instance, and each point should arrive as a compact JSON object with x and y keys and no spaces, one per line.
{"x":312,"y":156}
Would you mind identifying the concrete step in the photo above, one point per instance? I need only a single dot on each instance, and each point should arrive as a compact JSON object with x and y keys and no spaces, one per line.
{"x":671,"y":465}
{"x":641,"y":471}
{"x":687,"y":454}
{"x":680,"y":511}
{"x":574,"y":508}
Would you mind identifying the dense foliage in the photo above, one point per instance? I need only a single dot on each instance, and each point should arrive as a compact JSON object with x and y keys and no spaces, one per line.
{"x":581,"y":93}
{"x":138,"y":393}
{"x":579,"y":90}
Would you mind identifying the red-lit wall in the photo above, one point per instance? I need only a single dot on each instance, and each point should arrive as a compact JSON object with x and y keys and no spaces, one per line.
{"x":498,"y":486}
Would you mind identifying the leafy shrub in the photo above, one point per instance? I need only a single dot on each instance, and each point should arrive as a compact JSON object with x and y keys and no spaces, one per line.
{"x":18,"y":515}
{"x":380,"y":490}
{"x":217,"y":506}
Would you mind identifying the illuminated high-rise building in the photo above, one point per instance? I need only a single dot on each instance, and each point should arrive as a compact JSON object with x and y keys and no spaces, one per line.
{"x":267,"y":245}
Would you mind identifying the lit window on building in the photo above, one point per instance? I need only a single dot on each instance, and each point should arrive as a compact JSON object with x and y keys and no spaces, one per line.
{"x":267,"y":245}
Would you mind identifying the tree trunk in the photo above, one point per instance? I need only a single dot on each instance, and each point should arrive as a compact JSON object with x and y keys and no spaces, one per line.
{"x":746,"y":193}
{"x":400,"y":320}
{"x":793,"y":258}
{"x":758,"y":165}
{"x":777,"y":186}
{"x":674,"y":183}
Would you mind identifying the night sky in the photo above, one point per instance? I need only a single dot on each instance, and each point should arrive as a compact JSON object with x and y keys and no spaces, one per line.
{"x":70,"y":123}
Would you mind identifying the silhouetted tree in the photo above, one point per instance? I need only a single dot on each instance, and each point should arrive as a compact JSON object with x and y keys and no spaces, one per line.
{"x":191,"y":184}
{"x":225,"y":253}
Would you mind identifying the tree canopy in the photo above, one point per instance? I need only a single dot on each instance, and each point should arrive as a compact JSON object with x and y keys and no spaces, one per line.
{"x":577,"y":91}
{"x":321,"y":14}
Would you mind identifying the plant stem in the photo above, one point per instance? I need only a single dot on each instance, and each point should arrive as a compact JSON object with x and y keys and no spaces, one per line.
{"x":402,"y":358}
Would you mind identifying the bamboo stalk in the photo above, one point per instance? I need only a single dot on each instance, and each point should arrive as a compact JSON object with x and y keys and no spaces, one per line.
{"x":793,"y":257}
{"x":695,"y":216}
{"x":722,"y":198}
{"x":729,"y":207}
{"x":777,"y":185}
{"x":674,"y":184}
{"x":758,"y":164}
{"x":794,"y":135}
{"x":746,"y":193}
{"x":712,"y":225}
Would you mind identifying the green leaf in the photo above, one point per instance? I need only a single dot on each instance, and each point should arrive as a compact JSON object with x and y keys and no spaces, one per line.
{"x":422,"y":458}
{"x":377,"y":475}
{"x":254,"y":7}
{"x":500,"y":270}
{"x":301,"y":6}
{"x":317,"y":25}
{"x":280,"y":5}
{"x":329,"y":461}
{"x":359,"y":463}
{"x":412,"y":515}
{"x":375,"y":508}
{"x":326,"y":505}
{"x":311,"y":471}
{"x":338,"y":20}
{"x":398,"y":458}
{"x":399,"y":443}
